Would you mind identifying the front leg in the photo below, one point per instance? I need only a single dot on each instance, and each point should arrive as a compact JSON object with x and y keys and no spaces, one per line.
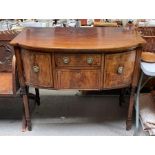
{"x":130,"y":110}
{"x":26,"y":116}
{"x":24,"y":125}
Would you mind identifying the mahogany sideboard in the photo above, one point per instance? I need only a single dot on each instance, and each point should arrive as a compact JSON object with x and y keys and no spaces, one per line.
{"x":93,"y":58}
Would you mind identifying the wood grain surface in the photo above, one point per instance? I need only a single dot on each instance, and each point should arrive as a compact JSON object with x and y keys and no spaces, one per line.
{"x":124,"y":61}
{"x":43,"y":61}
{"x":73,"y":39}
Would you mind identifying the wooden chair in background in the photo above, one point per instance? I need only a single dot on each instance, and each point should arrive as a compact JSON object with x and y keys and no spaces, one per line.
{"x":9,"y":83}
{"x":148,"y":33}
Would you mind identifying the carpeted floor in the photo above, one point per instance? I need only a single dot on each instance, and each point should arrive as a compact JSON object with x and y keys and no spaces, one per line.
{"x":64,"y":113}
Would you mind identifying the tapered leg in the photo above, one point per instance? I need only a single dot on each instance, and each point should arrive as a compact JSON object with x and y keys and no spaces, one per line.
{"x":37,"y":96}
{"x":24,"y":121}
{"x":26,"y":108}
{"x":27,"y":111}
{"x":24,"y":89}
{"x":130,"y":110}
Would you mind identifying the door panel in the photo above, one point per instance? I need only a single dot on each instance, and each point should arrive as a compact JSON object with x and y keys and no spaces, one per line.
{"x":37,"y":68}
{"x":78,"y":79}
{"x":118,"y":69}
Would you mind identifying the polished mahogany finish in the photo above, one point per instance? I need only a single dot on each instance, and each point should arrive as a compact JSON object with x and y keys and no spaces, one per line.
{"x":37,"y":67}
{"x":78,"y":58}
{"x":119,"y":69}
{"x":78,"y":79}
{"x":70,"y":60}
{"x":73,"y":39}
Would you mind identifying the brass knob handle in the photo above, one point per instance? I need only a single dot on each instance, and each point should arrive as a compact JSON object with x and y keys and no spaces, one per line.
{"x":65,"y":60}
{"x":36,"y":69}
{"x":90,"y":60}
{"x":120,"y":70}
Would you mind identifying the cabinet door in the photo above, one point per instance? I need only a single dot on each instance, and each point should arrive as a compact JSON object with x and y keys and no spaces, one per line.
{"x":119,"y":69}
{"x":37,"y":68}
{"x":78,"y":79}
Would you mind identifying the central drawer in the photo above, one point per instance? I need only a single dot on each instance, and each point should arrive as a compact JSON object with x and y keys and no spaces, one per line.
{"x":78,"y":71}
{"x":76,"y":60}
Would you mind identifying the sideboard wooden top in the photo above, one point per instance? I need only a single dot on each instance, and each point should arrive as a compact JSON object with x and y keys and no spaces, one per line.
{"x":71,"y":39}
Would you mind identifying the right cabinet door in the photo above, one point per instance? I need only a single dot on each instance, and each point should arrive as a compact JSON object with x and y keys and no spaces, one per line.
{"x":119,"y":69}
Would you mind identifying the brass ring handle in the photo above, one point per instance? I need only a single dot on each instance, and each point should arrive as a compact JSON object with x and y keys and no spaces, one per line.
{"x":120,"y":70}
{"x":36,"y":69}
{"x":90,"y":60}
{"x":65,"y":60}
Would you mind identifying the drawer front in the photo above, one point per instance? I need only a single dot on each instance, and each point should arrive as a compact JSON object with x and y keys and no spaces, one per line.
{"x":37,"y":68}
{"x":77,"y":60}
{"x":78,"y":79}
{"x":119,"y":69}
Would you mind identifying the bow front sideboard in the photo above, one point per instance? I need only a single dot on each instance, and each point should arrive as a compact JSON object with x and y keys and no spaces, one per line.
{"x":93,"y":58}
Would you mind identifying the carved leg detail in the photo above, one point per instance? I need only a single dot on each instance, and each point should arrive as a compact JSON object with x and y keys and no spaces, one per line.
{"x":130,"y":110}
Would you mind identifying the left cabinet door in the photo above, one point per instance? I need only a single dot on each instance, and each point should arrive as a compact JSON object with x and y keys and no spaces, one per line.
{"x":37,"y":68}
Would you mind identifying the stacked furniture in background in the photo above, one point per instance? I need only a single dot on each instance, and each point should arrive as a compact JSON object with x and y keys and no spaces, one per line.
{"x":147,"y":65}
{"x":106,"y":23}
{"x":148,"y":34}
